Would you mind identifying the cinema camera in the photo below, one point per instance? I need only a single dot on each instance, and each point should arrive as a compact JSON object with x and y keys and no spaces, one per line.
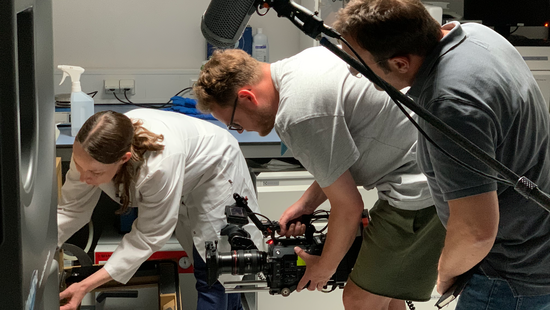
{"x":278,"y":270}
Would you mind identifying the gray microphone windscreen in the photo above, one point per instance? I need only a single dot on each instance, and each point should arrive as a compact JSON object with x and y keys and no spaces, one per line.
{"x":224,"y":21}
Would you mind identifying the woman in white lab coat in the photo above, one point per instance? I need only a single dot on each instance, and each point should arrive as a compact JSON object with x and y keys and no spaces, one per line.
{"x":180,"y":172}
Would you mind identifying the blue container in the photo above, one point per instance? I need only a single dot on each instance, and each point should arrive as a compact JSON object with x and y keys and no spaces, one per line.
{"x":127,"y":219}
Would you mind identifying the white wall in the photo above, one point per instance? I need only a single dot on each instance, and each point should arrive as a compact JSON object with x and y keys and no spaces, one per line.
{"x":161,"y":34}
{"x":157,"y":43}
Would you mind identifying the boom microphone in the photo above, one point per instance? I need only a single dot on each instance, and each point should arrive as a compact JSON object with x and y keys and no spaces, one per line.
{"x":224,"y":21}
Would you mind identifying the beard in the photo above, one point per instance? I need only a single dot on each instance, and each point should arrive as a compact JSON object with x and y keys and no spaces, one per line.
{"x":265,"y":121}
{"x":262,"y":119}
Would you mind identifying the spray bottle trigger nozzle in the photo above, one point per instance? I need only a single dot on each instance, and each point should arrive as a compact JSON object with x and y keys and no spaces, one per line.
{"x":65,"y":74}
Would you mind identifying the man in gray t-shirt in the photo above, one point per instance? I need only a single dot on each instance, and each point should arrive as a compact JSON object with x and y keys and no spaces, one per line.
{"x":477,"y":83}
{"x":347,"y":134}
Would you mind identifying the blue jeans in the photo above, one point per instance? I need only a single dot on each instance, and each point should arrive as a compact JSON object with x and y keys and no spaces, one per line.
{"x":483,"y":293}
{"x":214,"y":297}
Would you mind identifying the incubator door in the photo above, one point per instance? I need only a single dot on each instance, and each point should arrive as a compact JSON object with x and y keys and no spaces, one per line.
{"x":28,"y":191}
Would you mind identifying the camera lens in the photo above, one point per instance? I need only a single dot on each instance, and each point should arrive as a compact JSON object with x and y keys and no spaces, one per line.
{"x":241,"y":262}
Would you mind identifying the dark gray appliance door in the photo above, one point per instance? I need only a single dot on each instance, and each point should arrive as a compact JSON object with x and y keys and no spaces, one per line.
{"x":28,"y":193}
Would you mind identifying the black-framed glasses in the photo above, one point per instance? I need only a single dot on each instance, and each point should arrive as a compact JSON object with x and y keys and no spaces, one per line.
{"x":233,"y":126}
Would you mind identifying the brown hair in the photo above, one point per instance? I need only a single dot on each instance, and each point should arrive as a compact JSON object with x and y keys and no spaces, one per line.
{"x":222,"y":76}
{"x":107,"y":136}
{"x":389,"y":28}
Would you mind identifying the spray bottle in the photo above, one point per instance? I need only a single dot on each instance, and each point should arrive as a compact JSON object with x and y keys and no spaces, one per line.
{"x":82,"y":105}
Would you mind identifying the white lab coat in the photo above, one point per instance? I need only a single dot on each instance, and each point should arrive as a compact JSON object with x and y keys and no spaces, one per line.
{"x":183,"y":189}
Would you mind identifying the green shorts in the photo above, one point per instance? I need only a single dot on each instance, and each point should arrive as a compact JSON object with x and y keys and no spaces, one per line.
{"x":400,"y":253}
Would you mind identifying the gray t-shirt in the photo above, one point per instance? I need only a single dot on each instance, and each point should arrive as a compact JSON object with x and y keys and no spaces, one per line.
{"x":477,"y":83}
{"x":333,"y":121}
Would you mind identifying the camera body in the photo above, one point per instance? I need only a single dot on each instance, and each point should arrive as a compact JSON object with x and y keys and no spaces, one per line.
{"x":281,"y":267}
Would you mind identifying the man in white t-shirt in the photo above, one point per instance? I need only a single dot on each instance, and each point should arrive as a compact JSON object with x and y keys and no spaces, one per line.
{"x":347,"y":134}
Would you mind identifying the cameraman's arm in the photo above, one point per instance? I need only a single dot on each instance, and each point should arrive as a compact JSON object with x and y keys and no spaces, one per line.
{"x":471,"y":232}
{"x":310,"y":200}
{"x":345,"y":215}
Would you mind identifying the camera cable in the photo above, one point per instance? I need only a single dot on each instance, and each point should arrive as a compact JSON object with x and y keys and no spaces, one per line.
{"x":410,"y":305}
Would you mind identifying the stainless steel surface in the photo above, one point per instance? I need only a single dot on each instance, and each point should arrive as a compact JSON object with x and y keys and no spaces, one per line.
{"x":28,"y":191}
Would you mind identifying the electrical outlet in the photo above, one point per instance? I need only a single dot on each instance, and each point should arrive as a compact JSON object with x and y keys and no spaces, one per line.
{"x":127,"y":87}
{"x":111,"y":86}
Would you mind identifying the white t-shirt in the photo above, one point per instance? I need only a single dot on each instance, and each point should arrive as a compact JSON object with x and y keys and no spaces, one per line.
{"x":333,"y":122}
{"x":184,"y":188}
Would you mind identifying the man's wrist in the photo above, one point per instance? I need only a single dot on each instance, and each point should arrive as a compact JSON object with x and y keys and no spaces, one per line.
{"x":309,"y":209}
{"x":445,"y":275}
{"x":327,"y":263}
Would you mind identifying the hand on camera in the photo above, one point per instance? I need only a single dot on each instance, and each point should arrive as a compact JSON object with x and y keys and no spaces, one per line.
{"x":316,"y":276}
{"x":290,"y":221}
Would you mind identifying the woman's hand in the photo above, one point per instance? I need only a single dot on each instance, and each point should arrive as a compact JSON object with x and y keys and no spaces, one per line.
{"x":73,"y":295}
{"x":76,"y":292}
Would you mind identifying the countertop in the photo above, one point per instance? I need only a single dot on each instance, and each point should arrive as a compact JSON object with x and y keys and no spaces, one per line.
{"x":252,"y":144}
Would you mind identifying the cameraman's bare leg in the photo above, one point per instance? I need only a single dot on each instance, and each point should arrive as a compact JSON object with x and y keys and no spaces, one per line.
{"x":397,"y":304}
{"x":355,"y":298}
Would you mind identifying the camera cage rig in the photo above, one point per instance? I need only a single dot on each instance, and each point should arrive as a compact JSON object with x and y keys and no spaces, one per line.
{"x":278,"y":270}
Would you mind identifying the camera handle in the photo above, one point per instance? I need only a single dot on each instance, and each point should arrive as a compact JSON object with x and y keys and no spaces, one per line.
{"x":242,"y":202}
{"x":306,"y":220}
{"x":270,"y":228}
